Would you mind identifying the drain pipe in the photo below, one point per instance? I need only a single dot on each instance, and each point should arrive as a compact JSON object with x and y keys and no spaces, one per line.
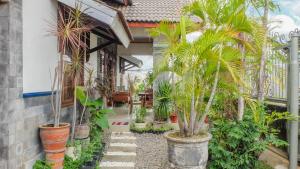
{"x":294,"y":100}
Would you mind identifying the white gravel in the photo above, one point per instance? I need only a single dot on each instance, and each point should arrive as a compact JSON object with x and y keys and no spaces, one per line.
{"x":151,"y":152}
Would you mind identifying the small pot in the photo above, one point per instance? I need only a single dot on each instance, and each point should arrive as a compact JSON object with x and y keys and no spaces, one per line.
{"x":187,"y":153}
{"x":70,"y":151}
{"x":173,"y":118}
{"x":140,"y":125}
{"x":82,"y":131}
{"x":89,"y":165}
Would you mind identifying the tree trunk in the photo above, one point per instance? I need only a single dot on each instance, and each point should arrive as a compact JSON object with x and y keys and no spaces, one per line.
{"x":261,"y":77}
{"x":241,"y":100}
{"x":74,"y":110}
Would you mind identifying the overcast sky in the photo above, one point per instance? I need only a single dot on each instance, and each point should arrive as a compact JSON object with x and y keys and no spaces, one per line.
{"x":289,"y":15}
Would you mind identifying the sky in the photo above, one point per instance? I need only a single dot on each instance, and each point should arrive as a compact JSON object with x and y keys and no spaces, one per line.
{"x":287,"y":18}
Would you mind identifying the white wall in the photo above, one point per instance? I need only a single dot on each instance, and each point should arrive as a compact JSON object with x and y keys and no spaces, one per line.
{"x":92,"y":63}
{"x":39,"y":48}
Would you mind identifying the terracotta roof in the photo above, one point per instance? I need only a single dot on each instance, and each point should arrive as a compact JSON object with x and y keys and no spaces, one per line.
{"x":153,"y":10}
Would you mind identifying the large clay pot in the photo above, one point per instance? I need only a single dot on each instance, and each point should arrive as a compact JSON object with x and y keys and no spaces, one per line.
{"x":54,"y":140}
{"x":187,"y":153}
{"x":82,"y":131}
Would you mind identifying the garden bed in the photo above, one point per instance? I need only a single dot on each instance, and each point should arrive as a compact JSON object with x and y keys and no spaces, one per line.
{"x":150,"y":128}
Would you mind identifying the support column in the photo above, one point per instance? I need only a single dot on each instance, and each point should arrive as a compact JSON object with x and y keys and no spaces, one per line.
{"x":294,"y":101}
{"x":11,"y":72}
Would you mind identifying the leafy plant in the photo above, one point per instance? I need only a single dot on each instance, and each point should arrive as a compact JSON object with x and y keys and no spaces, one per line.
{"x":238,"y":144}
{"x":200,"y":63}
{"x":98,"y":115}
{"x":69,"y":30}
{"x":163,"y":102}
{"x":41,"y":164}
{"x":140,"y":115}
{"x":151,"y":129}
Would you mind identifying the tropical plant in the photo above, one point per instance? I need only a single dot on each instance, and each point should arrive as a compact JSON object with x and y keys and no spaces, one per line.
{"x":98,"y":120}
{"x":266,"y":6}
{"x":199,"y":64}
{"x":140,"y":115}
{"x":163,"y":102}
{"x":238,"y":144}
{"x":68,"y":30}
{"x":41,"y":164}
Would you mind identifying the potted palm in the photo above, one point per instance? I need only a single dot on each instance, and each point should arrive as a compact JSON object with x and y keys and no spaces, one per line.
{"x":54,"y":136}
{"x":140,"y":118}
{"x":197,"y":53}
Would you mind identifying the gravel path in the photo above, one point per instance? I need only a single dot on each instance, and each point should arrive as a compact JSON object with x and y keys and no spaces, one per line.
{"x":151,"y":152}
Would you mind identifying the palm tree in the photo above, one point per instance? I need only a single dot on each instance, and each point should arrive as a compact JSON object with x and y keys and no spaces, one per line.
{"x":199,"y":63}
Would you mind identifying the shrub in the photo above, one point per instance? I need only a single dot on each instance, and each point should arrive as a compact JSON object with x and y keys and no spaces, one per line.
{"x":162,"y":106}
{"x":140,"y":115}
{"x":238,"y":144}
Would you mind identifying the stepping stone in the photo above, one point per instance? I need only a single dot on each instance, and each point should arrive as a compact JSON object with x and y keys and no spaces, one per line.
{"x":122,"y":134}
{"x":120,"y":140}
{"x":121,"y":153}
{"x":123,"y":145}
{"x":122,"y":149}
{"x":117,"y":165}
{"x":119,"y":158}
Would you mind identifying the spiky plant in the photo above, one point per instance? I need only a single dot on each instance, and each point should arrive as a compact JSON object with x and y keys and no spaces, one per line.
{"x":69,"y":30}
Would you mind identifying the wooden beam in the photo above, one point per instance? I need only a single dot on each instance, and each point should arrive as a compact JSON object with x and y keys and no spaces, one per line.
{"x":130,"y":67}
{"x":100,"y":46}
{"x":107,"y":37}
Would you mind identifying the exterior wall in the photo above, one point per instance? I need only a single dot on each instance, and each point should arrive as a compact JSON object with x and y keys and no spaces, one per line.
{"x":39,"y":47}
{"x":92,"y":63}
{"x":158,"y":49}
{"x":19,"y":117}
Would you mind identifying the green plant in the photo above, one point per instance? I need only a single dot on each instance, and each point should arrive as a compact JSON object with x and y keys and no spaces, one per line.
{"x":151,"y":129}
{"x":200,"y":63}
{"x":69,"y":163}
{"x":41,"y":164}
{"x":140,"y":115}
{"x":262,"y":165}
{"x":238,"y":144}
{"x":163,"y":102}
{"x":98,"y":115}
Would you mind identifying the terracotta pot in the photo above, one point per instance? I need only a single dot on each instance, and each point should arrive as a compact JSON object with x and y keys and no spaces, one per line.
{"x":173,"y":118}
{"x":187,"y":153}
{"x":54,"y":140}
{"x":82,"y":131}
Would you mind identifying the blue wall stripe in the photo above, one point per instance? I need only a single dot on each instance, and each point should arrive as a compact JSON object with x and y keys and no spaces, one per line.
{"x":37,"y":94}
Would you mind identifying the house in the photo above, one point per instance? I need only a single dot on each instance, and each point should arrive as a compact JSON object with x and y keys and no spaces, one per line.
{"x":27,"y":56}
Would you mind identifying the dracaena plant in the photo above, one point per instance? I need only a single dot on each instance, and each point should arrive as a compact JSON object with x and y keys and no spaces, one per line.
{"x":200,"y":64}
{"x":70,"y":29}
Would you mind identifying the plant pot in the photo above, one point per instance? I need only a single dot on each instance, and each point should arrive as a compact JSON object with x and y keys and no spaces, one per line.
{"x":140,"y":125}
{"x":187,"y":153}
{"x":159,"y":124}
{"x":173,"y":118}
{"x":54,"y":140}
{"x":82,"y":131}
{"x":89,"y":165}
{"x":71,"y":152}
